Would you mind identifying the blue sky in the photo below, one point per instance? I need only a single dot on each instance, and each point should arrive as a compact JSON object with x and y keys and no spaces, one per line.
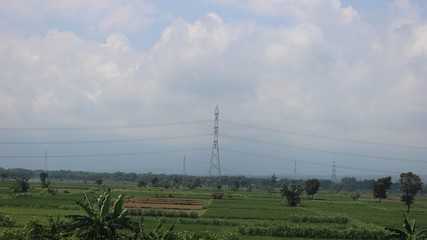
{"x":314,"y":82}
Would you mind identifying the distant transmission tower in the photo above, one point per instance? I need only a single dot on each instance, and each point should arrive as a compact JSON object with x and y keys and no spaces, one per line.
{"x":45,"y":160}
{"x":295,"y":170}
{"x":215,"y":169}
{"x":334,"y":174}
{"x":184,"y":171}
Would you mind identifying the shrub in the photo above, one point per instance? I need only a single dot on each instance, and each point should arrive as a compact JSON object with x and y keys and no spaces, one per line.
{"x":6,"y":221}
{"x":355,"y":196}
{"x":12,"y":234}
{"x":20,"y":185}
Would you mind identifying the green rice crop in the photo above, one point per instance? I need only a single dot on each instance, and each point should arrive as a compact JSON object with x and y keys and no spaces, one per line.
{"x":316,"y":231}
{"x":161,"y":213}
{"x":320,"y":218}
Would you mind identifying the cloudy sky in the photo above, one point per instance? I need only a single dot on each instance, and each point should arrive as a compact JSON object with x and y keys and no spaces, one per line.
{"x":112,"y":85}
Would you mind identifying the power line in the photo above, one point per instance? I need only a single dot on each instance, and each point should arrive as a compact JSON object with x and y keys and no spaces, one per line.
{"x":324,"y":151}
{"x":307,"y":162}
{"x":106,"y":127}
{"x":104,"y":154}
{"x":324,"y":137}
{"x":105,"y":141}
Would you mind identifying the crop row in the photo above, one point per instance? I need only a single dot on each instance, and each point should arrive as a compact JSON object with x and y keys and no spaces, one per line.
{"x":162,"y":213}
{"x":320,"y":219}
{"x":311,"y":231}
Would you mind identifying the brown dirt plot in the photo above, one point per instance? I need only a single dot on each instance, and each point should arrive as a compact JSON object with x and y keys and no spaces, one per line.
{"x":181,"y":204}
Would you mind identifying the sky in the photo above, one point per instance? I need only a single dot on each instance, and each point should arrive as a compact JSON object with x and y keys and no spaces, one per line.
{"x":303,"y":87}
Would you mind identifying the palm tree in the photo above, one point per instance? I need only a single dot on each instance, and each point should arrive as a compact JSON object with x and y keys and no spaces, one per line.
{"x":101,"y":222}
{"x":410,"y":233}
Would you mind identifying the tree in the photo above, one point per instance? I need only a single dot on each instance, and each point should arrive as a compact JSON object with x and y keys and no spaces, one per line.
{"x":197,"y":182}
{"x":380,"y":187}
{"x":141,"y":183}
{"x":273,"y":180}
{"x":98,"y":182}
{"x":349,"y":183}
{"x":102,"y":219}
{"x":235,"y":185}
{"x":20,"y":185}
{"x":44,"y":177}
{"x":3,"y":175}
{"x":410,"y":185}
{"x":293,"y":194}
{"x":155,"y":180}
{"x":311,"y":186}
{"x":410,"y":233}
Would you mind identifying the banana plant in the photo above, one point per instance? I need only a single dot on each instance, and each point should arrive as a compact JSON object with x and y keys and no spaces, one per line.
{"x":160,"y":233}
{"x":293,"y":194}
{"x":409,"y":233}
{"x":101,"y":220}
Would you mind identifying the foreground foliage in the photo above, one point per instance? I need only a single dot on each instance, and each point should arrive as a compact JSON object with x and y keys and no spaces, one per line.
{"x":409,"y":233}
{"x":100,"y":222}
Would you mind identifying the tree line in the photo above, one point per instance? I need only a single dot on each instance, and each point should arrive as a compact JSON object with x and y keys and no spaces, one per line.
{"x":350,"y":184}
{"x":410,"y":185}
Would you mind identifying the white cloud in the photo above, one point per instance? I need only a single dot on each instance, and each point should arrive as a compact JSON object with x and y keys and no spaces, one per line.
{"x":301,"y":10}
{"x":97,"y":16}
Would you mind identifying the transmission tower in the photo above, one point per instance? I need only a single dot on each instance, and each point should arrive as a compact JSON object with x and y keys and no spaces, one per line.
{"x":45,"y":160}
{"x":295,"y":170}
{"x":214,"y":168}
{"x":334,"y":175}
{"x":184,"y":171}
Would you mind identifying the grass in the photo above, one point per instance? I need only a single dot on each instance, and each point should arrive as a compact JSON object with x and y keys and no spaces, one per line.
{"x":256,"y":210}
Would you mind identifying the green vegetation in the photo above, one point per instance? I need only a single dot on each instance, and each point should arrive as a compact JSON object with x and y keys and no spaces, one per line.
{"x":44,"y":177}
{"x":102,"y":220}
{"x":380,"y":187}
{"x":410,"y":184}
{"x":292,"y":193}
{"x":409,"y":233}
{"x":52,"y":213}
{"x":20,"y":185}
{"x":162,"y":213}
{"x":311,"y":187}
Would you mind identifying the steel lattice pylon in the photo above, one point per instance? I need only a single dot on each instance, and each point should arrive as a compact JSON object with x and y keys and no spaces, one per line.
{"x":334,"y":173}
{"x":214,"y":168}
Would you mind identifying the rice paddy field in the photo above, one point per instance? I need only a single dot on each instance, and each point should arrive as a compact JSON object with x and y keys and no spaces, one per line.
{"x":254,"y":215}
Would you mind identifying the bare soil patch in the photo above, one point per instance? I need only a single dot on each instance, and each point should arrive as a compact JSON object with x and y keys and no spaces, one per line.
{"x":178,"y":204}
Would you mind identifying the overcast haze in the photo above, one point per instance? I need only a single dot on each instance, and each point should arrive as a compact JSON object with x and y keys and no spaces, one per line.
{"x":295,"y":80}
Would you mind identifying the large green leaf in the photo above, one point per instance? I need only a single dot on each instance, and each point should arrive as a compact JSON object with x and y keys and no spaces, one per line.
{"x":118,"y":207}
{"x":105,"y":205}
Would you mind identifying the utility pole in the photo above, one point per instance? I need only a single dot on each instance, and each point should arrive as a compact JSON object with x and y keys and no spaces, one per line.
{"x":214,"y":168}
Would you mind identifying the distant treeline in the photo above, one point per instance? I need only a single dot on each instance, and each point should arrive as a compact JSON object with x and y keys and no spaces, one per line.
{"x":175,"y":180}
